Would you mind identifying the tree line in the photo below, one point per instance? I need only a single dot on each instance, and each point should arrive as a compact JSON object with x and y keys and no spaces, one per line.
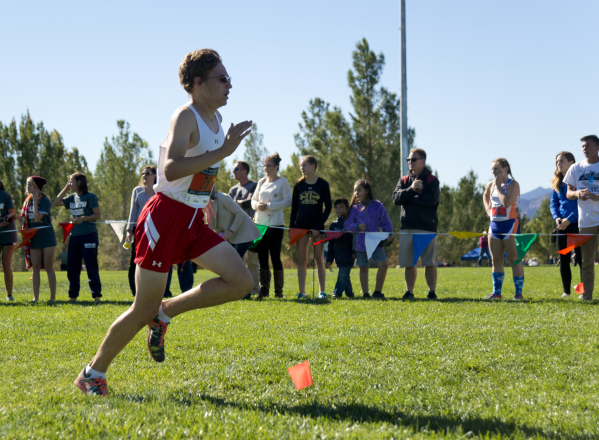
{"x":365,"y":144}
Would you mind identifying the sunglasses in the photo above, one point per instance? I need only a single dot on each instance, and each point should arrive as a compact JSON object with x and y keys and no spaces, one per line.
{"x":224,"y":79}
{"x":413,"y":159}
{"x":147,"y":174}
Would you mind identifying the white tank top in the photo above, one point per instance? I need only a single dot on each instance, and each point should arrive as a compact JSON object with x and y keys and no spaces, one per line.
{"x":193,"y":190}
{"x":500,"y":213}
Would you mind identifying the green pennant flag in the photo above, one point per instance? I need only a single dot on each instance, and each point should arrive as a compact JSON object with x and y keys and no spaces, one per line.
{"x":523,"y":243}
{"x":262,"y":229}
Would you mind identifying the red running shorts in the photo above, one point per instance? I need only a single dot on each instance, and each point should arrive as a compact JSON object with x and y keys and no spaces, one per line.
{"x":169,"y":232}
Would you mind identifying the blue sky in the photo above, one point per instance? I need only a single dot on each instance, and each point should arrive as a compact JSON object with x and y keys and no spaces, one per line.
{"x":485,"y":79}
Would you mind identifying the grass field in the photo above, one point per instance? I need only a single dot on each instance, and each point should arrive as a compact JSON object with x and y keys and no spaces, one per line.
{"x":460,"y":367}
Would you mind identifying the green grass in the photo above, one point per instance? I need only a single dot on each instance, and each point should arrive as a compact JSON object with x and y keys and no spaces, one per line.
{"x":460,"y":367}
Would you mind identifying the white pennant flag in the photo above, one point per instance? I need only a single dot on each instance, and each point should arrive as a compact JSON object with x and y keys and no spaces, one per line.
{"x":119,"y":227}
{"x":372,"y":240}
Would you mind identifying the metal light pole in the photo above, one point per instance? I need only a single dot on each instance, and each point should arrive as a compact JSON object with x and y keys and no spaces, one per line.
{"x":404,"y":90}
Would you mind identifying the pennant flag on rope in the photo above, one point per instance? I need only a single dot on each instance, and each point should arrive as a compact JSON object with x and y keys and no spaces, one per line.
{"x":119,"y":227}
{"x":523,"y":243}
{"x":330,"y":236}
{"x":421,"y":241}
{"x":573,"y":241}
{"x":27,"y":235}
{"x":464,"y":234}
{"x":66,"y":230}
{"x":295,"y":235}
{"x":579,"y":289}
{"x":372,"y":241}
{"x":262,"y":229}
{"x":301,"y":375}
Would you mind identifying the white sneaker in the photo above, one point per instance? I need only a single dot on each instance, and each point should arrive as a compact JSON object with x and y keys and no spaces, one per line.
{"x":322,"y":295}
{"x":10,"y":298}
{"x":566,"y":295}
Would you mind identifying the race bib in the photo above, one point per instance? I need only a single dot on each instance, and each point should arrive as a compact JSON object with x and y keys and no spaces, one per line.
{"x":201,"y":187}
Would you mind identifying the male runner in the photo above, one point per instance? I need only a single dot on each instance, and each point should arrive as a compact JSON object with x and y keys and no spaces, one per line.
{"x":171,"y":227}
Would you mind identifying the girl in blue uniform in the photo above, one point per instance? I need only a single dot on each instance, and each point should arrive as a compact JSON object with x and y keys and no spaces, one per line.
{"x":8,"y":238}
{"x":501,"y":199}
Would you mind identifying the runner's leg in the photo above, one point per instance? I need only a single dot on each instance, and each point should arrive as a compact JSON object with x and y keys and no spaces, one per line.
{"x":233,"y":283}
{"x":48,"y":255}
{"x":36,"y":267}
{"x":302,"y":262}
{"x":320,"y":263}
{"x":7,"y":251}
{"x":150,"y":289}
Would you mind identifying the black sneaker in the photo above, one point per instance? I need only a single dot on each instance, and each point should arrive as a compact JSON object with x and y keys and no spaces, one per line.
{"x":432,"y":295}
{"x":366,"y":296}
{"x":378,"y":296}
{"x":408,"y":295}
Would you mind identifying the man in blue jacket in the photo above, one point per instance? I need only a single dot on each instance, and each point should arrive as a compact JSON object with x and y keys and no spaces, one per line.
{"x":418,"y":195}
{"x":340,"y":250}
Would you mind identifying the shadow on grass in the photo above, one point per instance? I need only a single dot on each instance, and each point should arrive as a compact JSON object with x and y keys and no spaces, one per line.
{"x":505,"y":300}
{"x":360,"y":413}
{"x":65,"y":302}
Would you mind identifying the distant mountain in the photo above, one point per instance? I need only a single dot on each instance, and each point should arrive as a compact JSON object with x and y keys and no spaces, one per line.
{"x":531,"y":201}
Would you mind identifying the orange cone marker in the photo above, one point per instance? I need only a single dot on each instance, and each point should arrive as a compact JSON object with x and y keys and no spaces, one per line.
{"x":301,"y":375}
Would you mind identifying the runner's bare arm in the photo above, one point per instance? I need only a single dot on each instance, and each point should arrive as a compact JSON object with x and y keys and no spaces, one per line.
{"x":183,"y":125}
{"x":487,"y":197}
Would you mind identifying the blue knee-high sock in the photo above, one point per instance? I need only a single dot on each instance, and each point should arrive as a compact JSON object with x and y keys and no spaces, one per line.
{"x":518,"y":283}
{"x":498,"y":282}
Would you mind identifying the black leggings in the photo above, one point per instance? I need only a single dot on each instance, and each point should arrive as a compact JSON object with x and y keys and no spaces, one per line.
{"x":132,"y":266}
{"x":271,"y":243}
{"x":564,"y":262}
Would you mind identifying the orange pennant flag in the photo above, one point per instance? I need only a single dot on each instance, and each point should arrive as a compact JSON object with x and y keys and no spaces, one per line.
{"x":66,"y":230}
{"x":301,"y":375}
{"x":573,"y":241}
{"x":27,"y":235}
{"x":330,"y":236}
{"x":579,"y":288}
{"x":295,"y":235}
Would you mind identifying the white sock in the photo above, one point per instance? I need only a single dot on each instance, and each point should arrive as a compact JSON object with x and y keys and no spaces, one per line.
{"x":162,"y":316}
{"x":94,"y":374}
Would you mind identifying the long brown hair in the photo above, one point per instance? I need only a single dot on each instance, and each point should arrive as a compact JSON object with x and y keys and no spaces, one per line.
{"x":1,"y":185}
{"x":147,"y":167}
{"x":81,"y":181}
{"x":558,"y":177}
{"x":504,"y":164}
{"x":312,"y":161}
{"x":364,"y":184}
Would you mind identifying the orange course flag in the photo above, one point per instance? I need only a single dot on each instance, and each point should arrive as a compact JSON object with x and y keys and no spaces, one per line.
{"x":579,"y":288}
{"x":27,"y":235}
{"x":573,"y":241}
{"x":66,"y":230}
{"x":301,"y":375}
{"x":295,"y":235}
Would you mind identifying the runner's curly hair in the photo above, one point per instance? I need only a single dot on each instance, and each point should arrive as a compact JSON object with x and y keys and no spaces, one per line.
{"x":198,"y":63}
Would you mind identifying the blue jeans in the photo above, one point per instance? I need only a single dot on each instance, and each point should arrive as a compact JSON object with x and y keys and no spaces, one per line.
{"x":242,"y":248}
{"x":185,"y":275}
{"x":344,"y":283}
{"x":484,"y":251}
{"x":83,"y":247}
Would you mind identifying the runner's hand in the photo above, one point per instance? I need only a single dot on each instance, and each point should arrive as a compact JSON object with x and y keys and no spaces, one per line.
{"x":583,"y":194}
{"x":563,"y":225}
{"x":235,"y":135}
{"x":558,"y":221}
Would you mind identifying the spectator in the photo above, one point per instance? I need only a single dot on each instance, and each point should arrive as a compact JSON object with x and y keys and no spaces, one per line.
{"x":483,"y":242}
{"x":501,"y":198}
{"x":139,"y":197}
{"x":565,"y":214}
{"x":185,"y":276}
{"x":341,"y":251}
{"x":369,"y":215}
{"x":63,"y":257}
{"x":39,"y":252}
{"x":580,"y":179}
{"x":8,"y":238}
{"x":83,"y":243}
{"x":310,"y":208}
{"x":418,"y":195}
{"x":273,"y":194}
{"x":232,"y":223}
{"x":242,"y":193}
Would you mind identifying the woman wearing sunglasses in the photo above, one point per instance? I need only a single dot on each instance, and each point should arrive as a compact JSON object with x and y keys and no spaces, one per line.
{"x":139,"y":197}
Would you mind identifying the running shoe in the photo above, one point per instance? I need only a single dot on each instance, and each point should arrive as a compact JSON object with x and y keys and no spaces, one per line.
{"x":494,"y":296}
{"x":337,"y":296}
{"x":518,"y":296}
{"x":431,"y":295}
{"x":156,"y":331}
{"x":366,"y":296}
{"x":278,"y":295}
{"x":378,"y":296}
{"x":10,"y":298}
{"x":301,"y":296}
{"x":566,"y":295}
{"x":322,"y":295}
{"x":91,"y":386}
{"x":408,"y":295}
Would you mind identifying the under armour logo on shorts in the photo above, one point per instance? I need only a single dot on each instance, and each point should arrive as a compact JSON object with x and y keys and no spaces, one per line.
{"x":156,"y":264}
